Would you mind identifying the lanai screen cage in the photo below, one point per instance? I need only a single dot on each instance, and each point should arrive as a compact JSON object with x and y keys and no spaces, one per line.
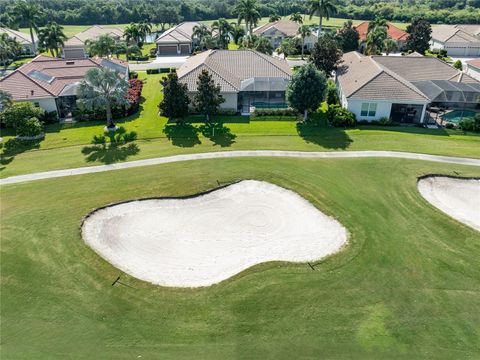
{"x":450,"y":93}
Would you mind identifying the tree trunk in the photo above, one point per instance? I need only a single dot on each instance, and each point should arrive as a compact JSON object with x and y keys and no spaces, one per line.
{"x":110,"y":123}
{"x":305,"y":115}
{"x":208,"y":117}
{"x":321,"y":26}
{"x":33,"y":41}
{"x":303,"y":46}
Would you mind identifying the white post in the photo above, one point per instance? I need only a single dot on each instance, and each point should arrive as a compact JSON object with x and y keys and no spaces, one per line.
{"x":422,"y":119}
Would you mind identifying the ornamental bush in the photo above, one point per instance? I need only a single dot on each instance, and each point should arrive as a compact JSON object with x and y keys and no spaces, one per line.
{"x":340,"y":117}
{"x":20,"y":112}
{"x":470,"y":124}
{"x":29,"y":127}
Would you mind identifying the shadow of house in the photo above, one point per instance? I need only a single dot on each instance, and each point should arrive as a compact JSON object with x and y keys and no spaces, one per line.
{"x":182,"y":135}
{"x":218,"y":133}
{"x":330,"y":138}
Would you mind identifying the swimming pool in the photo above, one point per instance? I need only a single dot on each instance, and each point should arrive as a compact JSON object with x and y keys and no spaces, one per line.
{"x":456,"y":115}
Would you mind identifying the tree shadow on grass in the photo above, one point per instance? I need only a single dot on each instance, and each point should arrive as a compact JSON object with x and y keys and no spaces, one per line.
{"x":111,"y":153}
{"x":218,"y":133}
{"x":13,"y":147}
{"x":330,"y":138}
{"x":182,"y":134}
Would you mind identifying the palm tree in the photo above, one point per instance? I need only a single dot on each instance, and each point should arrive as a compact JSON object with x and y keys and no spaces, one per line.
{"x":103,"y":46}
{"x":304,"y":31}
{"x":144,"y":28}
{"x":238,"y":33}
{"x":297,"y":17}
{"x":103,"y":87}
{"x":9,"y":49}
{"x":324,"y":9}
{"x":52,"y":38}
{"x":248,"y":11}
{"x":29,"y":13}
{"x":378,"y":23}
{"x":132,"y":33}
{"x":375,"y":41}
{"x":274,"y":17}
{"x":223,"y":29}
{"x":202,"y":35}
{"x":389,"y":46}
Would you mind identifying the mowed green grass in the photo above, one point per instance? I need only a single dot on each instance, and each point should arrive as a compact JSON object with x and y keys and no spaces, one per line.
{"x":63,"y":144}
{"x":406,"y":286}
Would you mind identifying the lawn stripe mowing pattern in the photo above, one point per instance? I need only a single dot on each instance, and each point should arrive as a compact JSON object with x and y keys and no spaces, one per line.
{"x":63,"y":144}
{"x":407,"y":285}
{"x":246,"y":153}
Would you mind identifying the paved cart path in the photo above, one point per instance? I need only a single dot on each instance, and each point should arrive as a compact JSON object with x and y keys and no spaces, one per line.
{"x":235,"y":154}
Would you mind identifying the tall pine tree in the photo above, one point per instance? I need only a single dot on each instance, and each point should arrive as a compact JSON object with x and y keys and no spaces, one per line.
{"x":175,"y":98}
{"x":207,"y":99}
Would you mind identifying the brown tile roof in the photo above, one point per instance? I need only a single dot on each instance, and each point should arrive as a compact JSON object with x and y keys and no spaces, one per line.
{"x":21,"y":37}
{"x":182,"y":33}
{"x":393,"y":32}
{"x":360,"y":77}
{"x":230,"y":68}
{"x":287,"y":27}
{"x":93,"y":33}
{"x":47,"y":76}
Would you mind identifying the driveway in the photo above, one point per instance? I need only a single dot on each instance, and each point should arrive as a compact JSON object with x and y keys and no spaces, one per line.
{"x":161,"y":62}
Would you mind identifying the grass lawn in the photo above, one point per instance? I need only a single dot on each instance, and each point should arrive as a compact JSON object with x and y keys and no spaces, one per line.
{"x":406,"y":286}
{"x":63,"y":144}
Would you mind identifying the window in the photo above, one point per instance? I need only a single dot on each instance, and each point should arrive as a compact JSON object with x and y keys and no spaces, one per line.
{"x":369,"y":109}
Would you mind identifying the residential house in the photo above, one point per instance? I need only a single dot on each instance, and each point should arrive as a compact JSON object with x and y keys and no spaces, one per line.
{"x":393,"y":32}
{"x":458,"y":40}
{"x":75,"y":47}
{"x":248,"y":79}
{"x":277,"y":31}
{"x":51,"y":83}
{"x":401,"y":87}
{"x":177,"y":40}
{"x":23,"y":38}
{"x":473,"y":68}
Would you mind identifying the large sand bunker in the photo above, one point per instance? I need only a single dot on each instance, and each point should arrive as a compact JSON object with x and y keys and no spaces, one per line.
{"x":459,"y":198}
{"x":202,"y":240}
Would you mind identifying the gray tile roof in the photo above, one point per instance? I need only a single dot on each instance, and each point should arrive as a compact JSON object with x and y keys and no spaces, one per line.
{"x":182,"y":33}
{"x":287,"y":27}
{"x":21,"y":37}
{"x":92,"y":33}
{"x":230,"y":68}
{"x":456,"y":33}
{"x":393,"y":77}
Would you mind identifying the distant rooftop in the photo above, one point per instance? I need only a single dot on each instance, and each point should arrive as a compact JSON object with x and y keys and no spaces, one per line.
{"x":393,"y":32}
{"x":287,"y":27}
{"x":178,"y":34}
{"x":21,"y":37}
{"x":93,"y":33}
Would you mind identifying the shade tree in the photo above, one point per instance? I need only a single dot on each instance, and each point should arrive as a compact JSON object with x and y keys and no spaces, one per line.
{"x":208,"y":98}
{"x":175,"y":98}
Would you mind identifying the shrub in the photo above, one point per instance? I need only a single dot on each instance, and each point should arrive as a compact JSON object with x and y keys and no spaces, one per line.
{"x":275,"y":112}
{"x":50,"y":117}
{"x":133,"y":75}
{"x":227,"y":112}
{"x":458,"y":65}
{"x":134,"y":94}
{"x":19,"y":113}
{"x":29,"y":127}
{"x":470,"y":124}
{"x":450,"y":125}
{"x":153,"y":71}
{"x":340,"y":117}
{"x":332,"y":96}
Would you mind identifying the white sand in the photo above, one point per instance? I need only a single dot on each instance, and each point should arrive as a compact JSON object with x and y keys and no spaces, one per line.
{"x":204,"y":240}
{"x":459,"y":198}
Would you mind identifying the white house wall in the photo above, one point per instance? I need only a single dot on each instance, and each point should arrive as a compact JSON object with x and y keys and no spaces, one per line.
{"x":384,"y":108}
{"x":231,"y":101}
{"x":47,"y":104}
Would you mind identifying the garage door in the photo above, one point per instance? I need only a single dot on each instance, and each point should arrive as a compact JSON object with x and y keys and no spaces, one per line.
{"x":184,"y":49}
{"x":473,"y":51}
{"x":167,"y":50}
{"x":455,"y":51}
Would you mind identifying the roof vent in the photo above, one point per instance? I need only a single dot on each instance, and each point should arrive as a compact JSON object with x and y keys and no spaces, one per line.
{"x":70,"y":62}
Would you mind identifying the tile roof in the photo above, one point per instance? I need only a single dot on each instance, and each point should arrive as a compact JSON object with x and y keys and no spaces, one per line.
{"x":394,"y":77}
{"x":181,"y":33}
{"x":92,"y":33}
{"x":230,"y":68}
{"x":21,"y":37}
{"x":47,"y":76}
{"x":361,"y":77}
{"x":474,"y":63}
{"x":287,"y":27}
{"x":393,"y":32}
{"x":455,"y":33}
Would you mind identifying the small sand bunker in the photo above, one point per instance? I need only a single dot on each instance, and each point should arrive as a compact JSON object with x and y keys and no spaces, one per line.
{"x":459,"y":198}
{"x":202,"y":240}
